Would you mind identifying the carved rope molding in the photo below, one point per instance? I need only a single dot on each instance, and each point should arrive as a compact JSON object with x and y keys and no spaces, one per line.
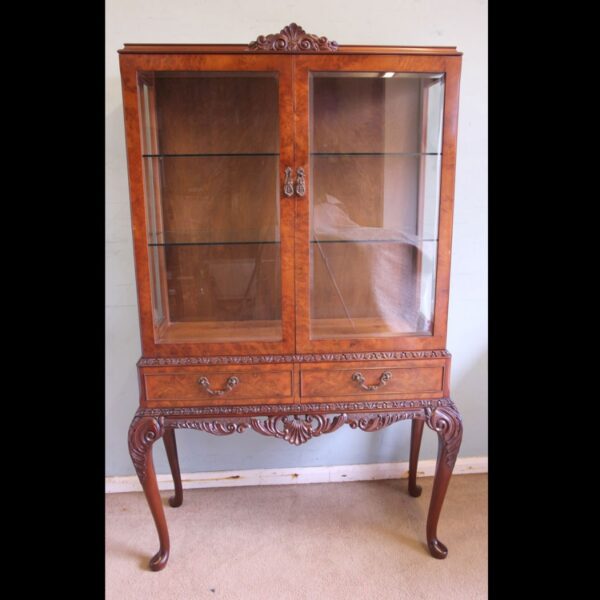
{"x":292,"y":39}
{"x":266,"y":409}
{"x":289,"y":358}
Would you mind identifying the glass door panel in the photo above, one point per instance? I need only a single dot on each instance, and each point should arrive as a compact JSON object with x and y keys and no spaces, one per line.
{"x":211,"y":172}
{"x":375,"y":143}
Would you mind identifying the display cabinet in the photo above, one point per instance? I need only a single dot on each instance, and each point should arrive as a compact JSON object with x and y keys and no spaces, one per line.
{"x":292,"y":214}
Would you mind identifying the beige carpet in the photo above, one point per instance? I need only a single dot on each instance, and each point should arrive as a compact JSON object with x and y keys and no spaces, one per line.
{"x":320,"y":541}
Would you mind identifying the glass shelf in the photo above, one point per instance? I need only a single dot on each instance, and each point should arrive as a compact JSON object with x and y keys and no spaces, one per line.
{"x":392,"y":241}
{"x":220,"y":236}
{"x":243,"y":243}
{"x":358,"y":235}
{"x":202,"y":155}
{"x":376,"y":154}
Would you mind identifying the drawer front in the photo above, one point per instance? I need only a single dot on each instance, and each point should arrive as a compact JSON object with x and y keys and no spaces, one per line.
{"x":220,"y":386}
{"x":367,"y":380}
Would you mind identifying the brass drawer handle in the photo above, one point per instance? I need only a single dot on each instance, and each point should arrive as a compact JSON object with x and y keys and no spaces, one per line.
{"x":300,"y":183}
{"x":359,"y":378}
{"x":288,"y":183}
{"x":231,"y":383}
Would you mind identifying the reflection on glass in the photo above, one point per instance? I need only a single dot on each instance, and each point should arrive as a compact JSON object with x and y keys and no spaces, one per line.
{"x":211,"y":162}
{"x":375,"y":161}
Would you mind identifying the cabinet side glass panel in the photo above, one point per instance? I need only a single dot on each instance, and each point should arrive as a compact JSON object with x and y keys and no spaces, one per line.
{"x":210,"y":144}
{"x":375,"y":159}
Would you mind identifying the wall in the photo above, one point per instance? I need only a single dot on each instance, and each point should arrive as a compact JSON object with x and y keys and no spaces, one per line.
{"x":462,"y":23}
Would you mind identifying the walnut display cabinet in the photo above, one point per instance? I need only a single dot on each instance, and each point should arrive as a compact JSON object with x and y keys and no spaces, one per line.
{"x":292,"y":206}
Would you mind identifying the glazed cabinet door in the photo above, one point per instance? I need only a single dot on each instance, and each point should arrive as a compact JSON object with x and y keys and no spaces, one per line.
{"x":375,"y":138}
{"x":209,"y":140}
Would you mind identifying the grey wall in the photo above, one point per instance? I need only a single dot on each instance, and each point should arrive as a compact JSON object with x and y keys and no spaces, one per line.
{"x":394,"y":22}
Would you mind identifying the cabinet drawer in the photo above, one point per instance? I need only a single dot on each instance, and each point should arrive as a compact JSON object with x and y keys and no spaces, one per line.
{"x":219,"y":386}
{"x":398,"y":380}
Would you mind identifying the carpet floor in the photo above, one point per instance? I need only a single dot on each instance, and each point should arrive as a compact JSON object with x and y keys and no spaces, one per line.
{"x":314,"y":541}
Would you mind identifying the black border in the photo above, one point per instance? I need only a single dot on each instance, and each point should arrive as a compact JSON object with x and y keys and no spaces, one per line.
{"x":528,"y":270}
{"x":54,"y":282}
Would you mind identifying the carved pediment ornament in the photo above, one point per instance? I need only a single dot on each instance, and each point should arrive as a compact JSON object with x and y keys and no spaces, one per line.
{"x":292,"y":39}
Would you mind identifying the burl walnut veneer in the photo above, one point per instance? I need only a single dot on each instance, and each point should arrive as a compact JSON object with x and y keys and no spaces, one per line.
{"x":292,"y":206}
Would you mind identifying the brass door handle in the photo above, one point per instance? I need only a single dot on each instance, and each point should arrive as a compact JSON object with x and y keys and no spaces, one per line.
{"x":383,"y":379}
{"x":288,"y":183}
{"x":229,"y":385}
{"x":300,"y":183}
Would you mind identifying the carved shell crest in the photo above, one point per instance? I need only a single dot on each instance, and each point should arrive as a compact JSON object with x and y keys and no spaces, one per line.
{"x":292,"y":39}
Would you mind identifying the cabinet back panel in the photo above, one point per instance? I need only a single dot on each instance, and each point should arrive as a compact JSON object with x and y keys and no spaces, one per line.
{"x":217,"y":199}
{"x":217,"y":113}
{"x":235,"y":282}
{"x":365,"y":113}
{"x":367,"y":280}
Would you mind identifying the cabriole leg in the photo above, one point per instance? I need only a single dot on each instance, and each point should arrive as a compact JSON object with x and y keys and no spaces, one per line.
{"x":445,"y":420}
{"x":171,"y":448}
{"x":415,"y":444}
{"x":143,"y":432}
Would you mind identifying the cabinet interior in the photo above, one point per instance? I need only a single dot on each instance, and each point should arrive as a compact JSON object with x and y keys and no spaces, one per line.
{"x":375,"y":152}
{"x":211,"y":156}
{"x":211,"y":162}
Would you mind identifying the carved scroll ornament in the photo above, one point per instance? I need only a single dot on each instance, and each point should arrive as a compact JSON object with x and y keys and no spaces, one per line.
{"x":294,"y":429}
{"x":292,"y":39}
{"x":143,"y":432}
{"x":446,"y":421}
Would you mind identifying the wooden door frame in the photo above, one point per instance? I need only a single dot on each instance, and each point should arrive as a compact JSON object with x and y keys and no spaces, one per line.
{"x":130,"y":65}
{"x":303,"y":65}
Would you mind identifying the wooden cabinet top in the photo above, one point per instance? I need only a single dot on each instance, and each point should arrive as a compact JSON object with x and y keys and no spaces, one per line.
{"x":133,"y":48}
{"x":290,"y":40}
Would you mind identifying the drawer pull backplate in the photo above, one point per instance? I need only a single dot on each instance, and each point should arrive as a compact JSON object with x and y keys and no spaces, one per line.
{"x":231,"y":383}
{"x":359,"y":378}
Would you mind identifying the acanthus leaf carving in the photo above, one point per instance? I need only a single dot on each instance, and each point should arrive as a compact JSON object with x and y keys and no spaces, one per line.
{"x":143,"y":432}
{"x":214,"y":427}
{"x":292,"y":38}
{"x":376,"y":422}
{"x":446,"y":421}
{"x":295,"y":429}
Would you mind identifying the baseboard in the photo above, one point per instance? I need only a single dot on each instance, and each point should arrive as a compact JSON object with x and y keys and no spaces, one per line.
{"x":336,"y":473}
